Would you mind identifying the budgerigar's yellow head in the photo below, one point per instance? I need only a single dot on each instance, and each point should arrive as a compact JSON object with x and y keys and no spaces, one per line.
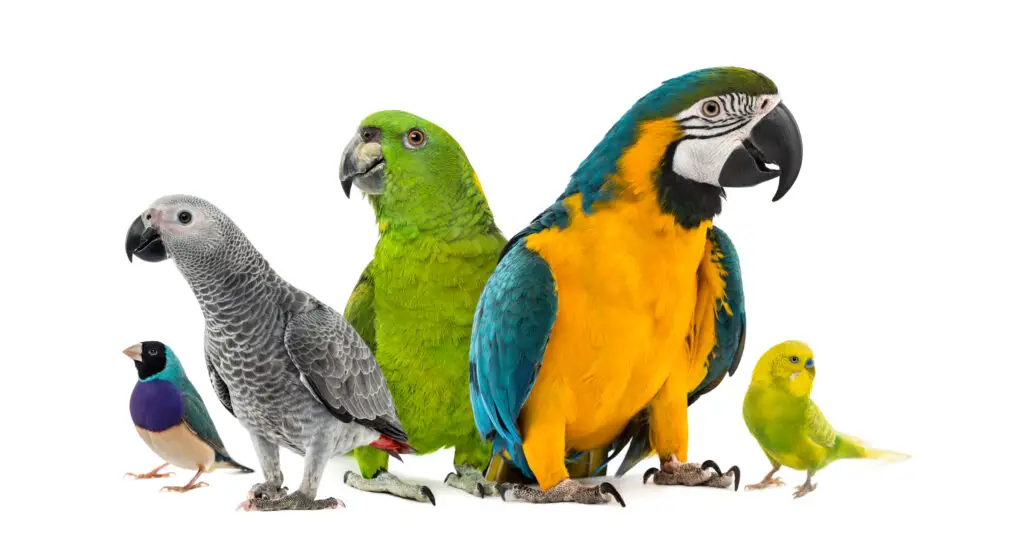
{"x":788,"y":365}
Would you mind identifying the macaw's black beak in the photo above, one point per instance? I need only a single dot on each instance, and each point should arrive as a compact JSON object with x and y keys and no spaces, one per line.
{"x":144,"y":242}
{"x":362,"y":164}
{"x":773,"y":150}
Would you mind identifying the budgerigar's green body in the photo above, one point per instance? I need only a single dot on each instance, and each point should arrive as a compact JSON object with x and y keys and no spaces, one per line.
{"x":414,"y":303}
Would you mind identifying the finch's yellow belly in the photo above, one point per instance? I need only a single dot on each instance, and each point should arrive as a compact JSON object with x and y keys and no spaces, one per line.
{"x":625,"y":308}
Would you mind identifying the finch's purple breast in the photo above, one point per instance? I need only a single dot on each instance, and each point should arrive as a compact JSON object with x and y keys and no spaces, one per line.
{"x":156,"y":405}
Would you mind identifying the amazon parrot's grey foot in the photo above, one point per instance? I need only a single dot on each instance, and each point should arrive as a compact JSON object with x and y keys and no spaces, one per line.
{"x":471,"y":481}
{"x":292,"y":501}
{"x":568,"y":490}
{"x":385,"y":482}
{"x":267,"y":491}
{"x":675,"y":473}
{"x":804,"y":489}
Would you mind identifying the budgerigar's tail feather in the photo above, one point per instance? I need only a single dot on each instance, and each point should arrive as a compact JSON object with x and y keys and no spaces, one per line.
{"x":884,"y":455}
{"x":853,"y":447}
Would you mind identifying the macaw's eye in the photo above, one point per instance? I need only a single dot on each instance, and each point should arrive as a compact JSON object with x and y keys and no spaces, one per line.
{"x":415,"y":137}
{"x":151,"y":352}
{"x":184,"y":217}
{"x":794,"y":359}
{"x":711,"y":108}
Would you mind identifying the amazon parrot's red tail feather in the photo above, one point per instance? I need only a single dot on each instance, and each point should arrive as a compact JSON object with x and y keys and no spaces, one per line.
{"x":392,"y":447}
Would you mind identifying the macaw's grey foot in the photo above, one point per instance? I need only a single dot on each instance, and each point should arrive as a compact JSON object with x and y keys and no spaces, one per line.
{"x":675,"y":473}
{"x":471,"y":481}
{"x":385,"y":482}
{"x":292,"y":501}
{"x":568,"y":490}
{"x":152,"y":474}
{"x":267,"y":491}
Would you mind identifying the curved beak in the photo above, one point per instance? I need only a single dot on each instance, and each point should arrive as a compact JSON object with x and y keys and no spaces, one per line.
{"x":144,"y":242}
{"x":774,"y":149}
{"x":134,"y":352}
{"x":362,"y":165}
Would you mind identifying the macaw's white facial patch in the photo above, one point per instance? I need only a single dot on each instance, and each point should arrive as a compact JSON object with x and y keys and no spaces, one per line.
{"x":712,"y":129}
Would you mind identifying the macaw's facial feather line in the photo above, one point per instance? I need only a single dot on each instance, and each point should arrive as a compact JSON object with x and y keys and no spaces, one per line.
{"x":688,"y":201}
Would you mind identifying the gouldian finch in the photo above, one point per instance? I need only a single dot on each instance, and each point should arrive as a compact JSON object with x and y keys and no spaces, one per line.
{"x":414,"y":302}
{"x":621,"y":304}
{"x":289,"y":367}
{"x":171,"y":417}
{"x":786,"y":423}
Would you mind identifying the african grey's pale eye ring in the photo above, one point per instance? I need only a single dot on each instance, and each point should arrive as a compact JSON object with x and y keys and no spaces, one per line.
{"x":184,"y":217}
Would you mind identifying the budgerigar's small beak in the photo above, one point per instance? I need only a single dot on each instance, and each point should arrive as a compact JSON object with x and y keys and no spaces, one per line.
{"x":144,"y":242}
{"x":134,"y":352}
{"x":773,"y":149}
{"x":362,"y":165}
{"x":809,"y":364}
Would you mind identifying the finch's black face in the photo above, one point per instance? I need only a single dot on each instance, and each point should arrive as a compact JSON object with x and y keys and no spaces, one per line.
{"x":150,"y":358}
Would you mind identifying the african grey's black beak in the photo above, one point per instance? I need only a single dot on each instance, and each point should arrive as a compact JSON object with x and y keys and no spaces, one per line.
{"x":144,"y":243}
{"x":774,"y":140}
{"x":362,"y":163}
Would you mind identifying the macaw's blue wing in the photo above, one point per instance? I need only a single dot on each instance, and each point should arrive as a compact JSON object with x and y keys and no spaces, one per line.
{"x":197,"y":418}
{"x":511,"y":328}
{"x":730,"y":334}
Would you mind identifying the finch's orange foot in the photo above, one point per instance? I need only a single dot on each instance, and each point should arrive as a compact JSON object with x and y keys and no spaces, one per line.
{"x":567,"y":490}
{"x":675,"y":473}
{"x":152,"y":474}
{"x":183,"y":489}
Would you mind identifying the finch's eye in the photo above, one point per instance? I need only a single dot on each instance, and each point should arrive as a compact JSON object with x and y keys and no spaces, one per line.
{"x":415,"y":137}
{"x":151,"y":352}
{"x":184,"y":217}
{"x":711,"y":108}
{"x":794,"y":359}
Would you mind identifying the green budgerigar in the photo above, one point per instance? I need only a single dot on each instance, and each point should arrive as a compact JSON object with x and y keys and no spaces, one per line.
{"x":788,"y":426}
{"x":414,"y":303}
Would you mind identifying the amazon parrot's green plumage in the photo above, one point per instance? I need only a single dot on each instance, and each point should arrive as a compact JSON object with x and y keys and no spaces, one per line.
{"x":414,"y":302}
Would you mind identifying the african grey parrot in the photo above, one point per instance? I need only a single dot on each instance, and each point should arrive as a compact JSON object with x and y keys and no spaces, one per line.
{"x":289,"y":367}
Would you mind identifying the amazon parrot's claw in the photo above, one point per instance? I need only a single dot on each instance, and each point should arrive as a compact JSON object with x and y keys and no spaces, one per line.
{"x":568,"y":490}
{"x":385,"y":482}
{"x":468,"y":479}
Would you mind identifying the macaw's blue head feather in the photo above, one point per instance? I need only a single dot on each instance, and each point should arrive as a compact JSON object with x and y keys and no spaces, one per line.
{"x":155,"y":361}
{"x":667,"y":100}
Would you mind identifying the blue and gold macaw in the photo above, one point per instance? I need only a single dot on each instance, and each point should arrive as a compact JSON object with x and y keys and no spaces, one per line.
{"x":621,"y":304}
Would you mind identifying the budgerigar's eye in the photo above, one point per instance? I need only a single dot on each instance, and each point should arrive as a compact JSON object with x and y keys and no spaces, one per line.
{"x":794,"y":359}
{"x":711,"y":108}
{"x":184,"y":217}
{"x":415,"y":137}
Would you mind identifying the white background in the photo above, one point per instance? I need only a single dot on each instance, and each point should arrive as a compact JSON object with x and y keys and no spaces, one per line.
{"x":894,"y":256}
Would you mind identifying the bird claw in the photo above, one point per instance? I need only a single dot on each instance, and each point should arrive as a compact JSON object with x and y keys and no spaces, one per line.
{"x":804,"y":490}
{"x":471,"y":481}
{"x":766,"y":483}
{"x":568,"y":490}
{"x":183,"y":489}
{"x":151,"y":474}
{"x":292,"y":501}
{"x":266,"y":491}
{"x":675,"y":473}
{"x":385,"y":482}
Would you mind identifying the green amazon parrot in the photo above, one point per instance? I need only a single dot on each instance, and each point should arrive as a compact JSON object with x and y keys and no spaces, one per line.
{"x":414,"y":302}
{"x":621,"y":304}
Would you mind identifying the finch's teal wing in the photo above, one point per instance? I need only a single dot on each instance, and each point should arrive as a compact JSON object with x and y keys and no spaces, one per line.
{"x":197,"y":418}
{"x":730,"y":317}
{"x":359,"y":311}
{"x":730,"y":334}
{"x":511,"y":328}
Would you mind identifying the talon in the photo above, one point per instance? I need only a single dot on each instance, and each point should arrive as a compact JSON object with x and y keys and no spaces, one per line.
{"x":735,"y":472}
{"x":480,"y":490}
{"x":502,"y":488}
{"x":650,"y":472}
{"x":607,"y":489}
{"x":712,"y":465}
{"x":344,"y":479}
{"x":429,"y":495}
{"x":449,"y":477}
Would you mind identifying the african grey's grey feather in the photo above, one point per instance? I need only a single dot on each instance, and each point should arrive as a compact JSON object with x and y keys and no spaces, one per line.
{"x":289,"y":367}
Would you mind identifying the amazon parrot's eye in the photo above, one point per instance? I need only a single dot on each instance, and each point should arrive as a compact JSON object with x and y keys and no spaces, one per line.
{"x":184,"y":217}
{"x":710,"y":108}
{"x":794,"y":359}
{"x":415,"y":137}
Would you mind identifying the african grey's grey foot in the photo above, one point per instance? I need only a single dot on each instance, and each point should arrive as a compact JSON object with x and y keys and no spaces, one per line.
{"x":385,"y":482}
{"x":267,"y":491}
{"x":292,"y":501}
{"x":469,"y":480}
{"x":675,"y":473}
{"x":568,"y":490}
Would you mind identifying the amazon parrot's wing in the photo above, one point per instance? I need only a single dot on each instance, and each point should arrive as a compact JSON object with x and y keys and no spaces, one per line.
{"x":730,"y":334}
{"x":511,"y":328}
{"x":359,"y":311}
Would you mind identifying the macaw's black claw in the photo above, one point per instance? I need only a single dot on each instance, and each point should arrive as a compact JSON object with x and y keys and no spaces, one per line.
{"x":502,"y":489}
{"x":608,"y":489}
{"x":712,"y":465}
{"x":650,"y":473}
{"x":735,"y":472}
